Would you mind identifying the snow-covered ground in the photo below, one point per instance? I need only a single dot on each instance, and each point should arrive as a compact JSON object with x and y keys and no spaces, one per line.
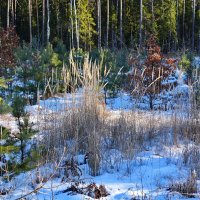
{"x":148,"y":176}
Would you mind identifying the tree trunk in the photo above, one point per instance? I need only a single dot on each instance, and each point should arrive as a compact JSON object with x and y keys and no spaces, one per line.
{"x":199,"y":32}
{"x":152,"y":13}
{"x":38,"y":26}
{"x":72,"y":26}
{"x":12,"y":12}
{"x":8,"y":14}
{"x":112,"y":29}
{"x":43,"y":20}
{"x":108,"y":19}
{"x":199,"y":42}
{"x":76,"y":24}
{"x":151,"y":102}
{"x":141,"y":21}
{"x":22,"y":151}
{"x":183,"y":25}
{"x":89,"y":33}
{"x":99,"y":22}
{"x":193,"y":24}
{"x":48,"y":19}
{"x":121,"y":40}
{"x":169,"y":42}
{"x":15,"y":11}
{"x":57,"y":19}
{"x":177,"y":24}
{"x":30,"y":20}
{"x":132,"y":37}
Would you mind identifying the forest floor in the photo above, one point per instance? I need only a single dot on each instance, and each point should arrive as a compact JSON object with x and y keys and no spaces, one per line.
{"x":150,"y":176}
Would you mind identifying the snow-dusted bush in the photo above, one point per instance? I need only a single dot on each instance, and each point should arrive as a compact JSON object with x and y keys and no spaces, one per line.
{"x":152,"y":77}
{"x":187,"y":188}
{"x":191,"y":157}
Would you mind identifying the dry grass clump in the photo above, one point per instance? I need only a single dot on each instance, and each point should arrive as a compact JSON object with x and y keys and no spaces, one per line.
{"x":80,"y":128}
{"x":79,"y":131}
{"x":90,"y":129}
{"x":85,"y":130}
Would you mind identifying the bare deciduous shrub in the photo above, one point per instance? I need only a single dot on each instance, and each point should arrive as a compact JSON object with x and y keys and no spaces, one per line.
{"x":81,"y":127}
{"x":191,"y":157}
{"x":147,"y":78}
{"x":72,"y":170}
{"x":188,"y":188}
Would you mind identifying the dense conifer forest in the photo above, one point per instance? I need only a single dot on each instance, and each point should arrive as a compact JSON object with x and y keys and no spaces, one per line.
{"x":110,"y":24}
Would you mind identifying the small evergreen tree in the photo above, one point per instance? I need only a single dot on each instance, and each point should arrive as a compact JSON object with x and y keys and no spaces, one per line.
{"x":186,"y":65}
{"x":25,"y":129}
{"x":7,"y":146}
{"x":86,"y":23}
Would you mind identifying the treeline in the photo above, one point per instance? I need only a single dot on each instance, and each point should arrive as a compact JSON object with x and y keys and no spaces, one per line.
{"x":91,"y":24}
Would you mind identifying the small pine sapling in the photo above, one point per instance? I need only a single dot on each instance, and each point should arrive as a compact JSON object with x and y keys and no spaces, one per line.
{"x":25,"y":128}
{"x":7,"y":147}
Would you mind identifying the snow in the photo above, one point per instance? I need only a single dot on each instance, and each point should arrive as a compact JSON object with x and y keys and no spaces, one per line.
{"x":196,"y":62}
{"x":151,"y":175}
{"x":9,"y":122}
{"x":123,"y":101}
{"x":148,"y":175}
{"x":183,"y":90}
